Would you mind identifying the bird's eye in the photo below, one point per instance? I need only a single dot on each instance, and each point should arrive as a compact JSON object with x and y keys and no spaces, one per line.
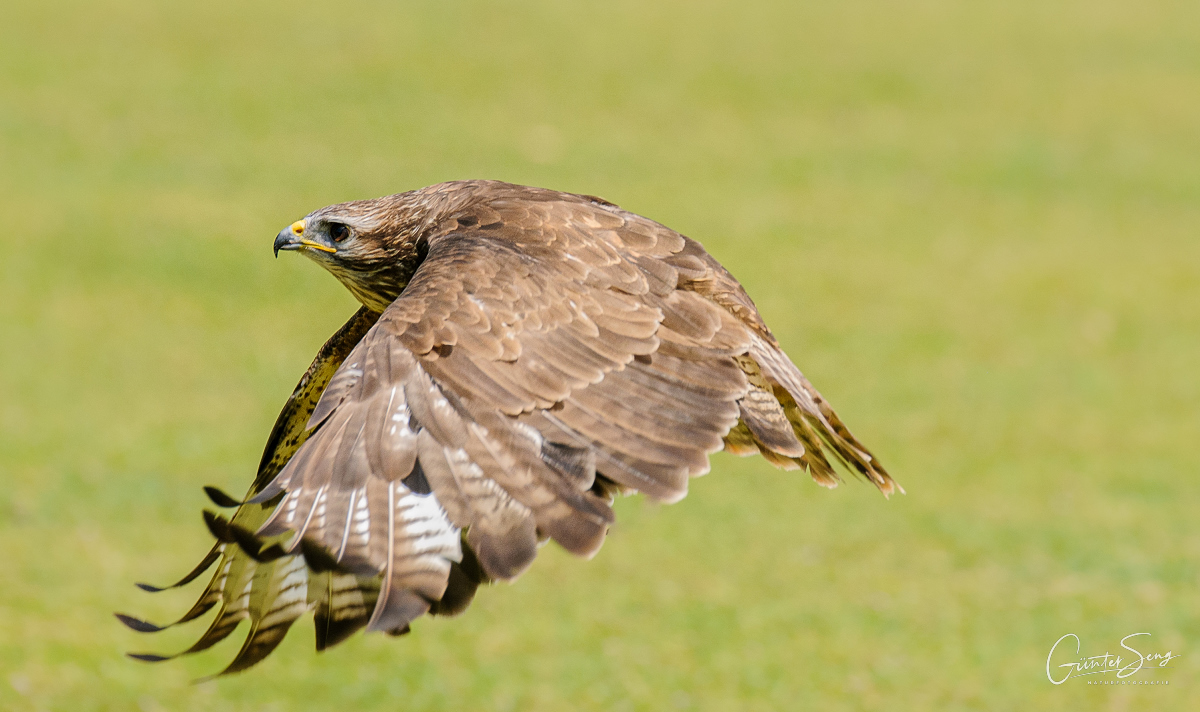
{"x":338,"y":232}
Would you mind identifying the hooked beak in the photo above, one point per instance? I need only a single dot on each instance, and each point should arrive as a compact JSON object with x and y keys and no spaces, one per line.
{"x":290,"y":238}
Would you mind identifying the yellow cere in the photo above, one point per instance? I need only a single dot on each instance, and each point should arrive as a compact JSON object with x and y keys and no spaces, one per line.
{"x":298,"y":227}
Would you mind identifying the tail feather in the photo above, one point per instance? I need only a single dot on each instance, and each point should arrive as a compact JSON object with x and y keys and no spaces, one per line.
{"x":811,"y":431}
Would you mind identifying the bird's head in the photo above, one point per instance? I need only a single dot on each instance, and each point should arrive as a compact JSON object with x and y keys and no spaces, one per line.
{"x":369,"y":245}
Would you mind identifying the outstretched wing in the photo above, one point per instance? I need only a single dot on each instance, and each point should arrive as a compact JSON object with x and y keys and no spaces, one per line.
{"x":550,"y":351}
{"x":271,"y":592}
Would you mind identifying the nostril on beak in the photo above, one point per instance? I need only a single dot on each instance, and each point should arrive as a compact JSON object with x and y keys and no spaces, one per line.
{"x":297,"y":228}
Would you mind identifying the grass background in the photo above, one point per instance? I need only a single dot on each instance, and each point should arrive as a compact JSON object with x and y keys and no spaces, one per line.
{"x":973,"y":226}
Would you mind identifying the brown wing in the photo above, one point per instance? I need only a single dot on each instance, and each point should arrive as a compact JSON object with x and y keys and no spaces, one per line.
{"x":270,"y":591}
{"x":550,"y":351}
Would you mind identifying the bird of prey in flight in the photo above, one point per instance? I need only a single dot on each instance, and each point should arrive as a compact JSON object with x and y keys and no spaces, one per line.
{"x":521,"y":357}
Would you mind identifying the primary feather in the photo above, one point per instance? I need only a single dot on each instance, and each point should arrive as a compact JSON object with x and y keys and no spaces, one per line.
{"x":521,"y":356}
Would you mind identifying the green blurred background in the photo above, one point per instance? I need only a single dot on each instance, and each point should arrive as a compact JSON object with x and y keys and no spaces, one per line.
{"x":973,"y":226}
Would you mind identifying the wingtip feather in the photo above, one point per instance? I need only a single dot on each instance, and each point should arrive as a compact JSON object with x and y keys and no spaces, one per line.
{"x":148,"y":657}
{"x":138,"y":624}
{"x":218,"y":526}
{"x":220,"y":498}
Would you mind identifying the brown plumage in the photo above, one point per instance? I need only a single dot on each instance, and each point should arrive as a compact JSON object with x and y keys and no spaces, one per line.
{"x":521,"y":356}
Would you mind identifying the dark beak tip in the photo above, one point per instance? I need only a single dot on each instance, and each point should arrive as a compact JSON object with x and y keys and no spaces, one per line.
{"x":283,"y":241}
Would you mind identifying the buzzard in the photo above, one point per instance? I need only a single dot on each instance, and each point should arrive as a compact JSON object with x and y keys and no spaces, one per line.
{"x":521,"y":357}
